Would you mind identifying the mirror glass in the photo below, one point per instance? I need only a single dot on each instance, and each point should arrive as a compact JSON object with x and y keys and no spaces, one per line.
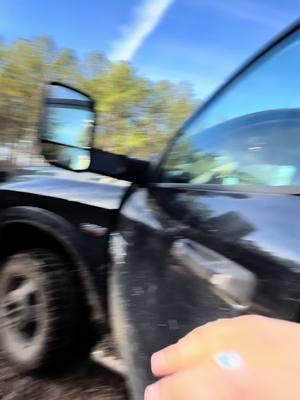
{"x":67,"y":157}
{"x":67,"y":128}
{"x":62,"y":92}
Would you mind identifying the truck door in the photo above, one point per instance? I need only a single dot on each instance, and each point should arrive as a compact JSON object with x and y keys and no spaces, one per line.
{"x":215,"y":233}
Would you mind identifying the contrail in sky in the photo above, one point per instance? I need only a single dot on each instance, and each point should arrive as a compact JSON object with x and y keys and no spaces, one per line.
{"x":147,"y":15}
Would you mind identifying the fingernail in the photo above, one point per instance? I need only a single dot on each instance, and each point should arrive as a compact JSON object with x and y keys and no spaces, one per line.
{"x":158,"y":361}
{"x":152,"y":392}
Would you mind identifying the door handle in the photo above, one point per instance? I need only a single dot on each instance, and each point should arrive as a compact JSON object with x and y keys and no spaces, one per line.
{"x":234,"y":283}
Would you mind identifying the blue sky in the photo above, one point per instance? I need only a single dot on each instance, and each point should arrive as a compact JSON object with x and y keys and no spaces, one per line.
{"x":199,"y":41}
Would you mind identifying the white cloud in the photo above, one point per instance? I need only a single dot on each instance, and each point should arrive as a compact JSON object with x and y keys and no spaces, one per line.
{"x":147,"y":15}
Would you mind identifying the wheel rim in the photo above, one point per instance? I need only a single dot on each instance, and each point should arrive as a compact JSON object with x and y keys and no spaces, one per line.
{"x":21,"y":305}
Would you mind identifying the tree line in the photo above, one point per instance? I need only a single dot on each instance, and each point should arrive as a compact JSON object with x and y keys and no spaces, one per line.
{"x":136,"y":116}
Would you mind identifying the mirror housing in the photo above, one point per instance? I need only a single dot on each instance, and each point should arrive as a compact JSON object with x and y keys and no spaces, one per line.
{"x":67,"y":131}
{"x":67,"y":127}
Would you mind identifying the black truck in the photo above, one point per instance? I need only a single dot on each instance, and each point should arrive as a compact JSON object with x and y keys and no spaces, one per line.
{"x":210,"y":229}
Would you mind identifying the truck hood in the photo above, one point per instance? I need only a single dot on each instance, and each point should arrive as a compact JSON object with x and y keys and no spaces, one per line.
{"x":82,"y":188}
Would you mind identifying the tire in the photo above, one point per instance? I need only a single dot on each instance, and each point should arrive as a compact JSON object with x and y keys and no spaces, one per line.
{"x":40,"y":311}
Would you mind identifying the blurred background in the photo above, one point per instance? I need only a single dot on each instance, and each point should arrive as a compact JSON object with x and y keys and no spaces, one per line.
{"x":147,"y":63}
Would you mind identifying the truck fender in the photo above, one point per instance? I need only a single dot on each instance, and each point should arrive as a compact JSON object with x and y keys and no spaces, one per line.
{"x":66,"y":235}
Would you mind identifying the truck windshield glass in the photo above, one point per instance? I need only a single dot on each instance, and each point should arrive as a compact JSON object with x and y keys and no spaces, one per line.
{"x":250,"y":133}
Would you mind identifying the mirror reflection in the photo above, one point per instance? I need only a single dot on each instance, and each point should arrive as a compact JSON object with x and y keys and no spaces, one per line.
{"x":61,"y":92}
{"x":69,"y":126}
{"x":67,"y":157}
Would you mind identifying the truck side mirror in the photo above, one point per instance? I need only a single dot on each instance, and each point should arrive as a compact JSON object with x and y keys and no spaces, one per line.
{"x":67,"y":127}
{"x":67,"y":131}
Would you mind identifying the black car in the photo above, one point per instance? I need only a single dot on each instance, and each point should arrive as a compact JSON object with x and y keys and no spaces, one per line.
{"x":208,"y":230}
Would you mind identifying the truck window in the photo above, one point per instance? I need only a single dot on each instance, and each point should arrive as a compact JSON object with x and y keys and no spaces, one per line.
{"x":248,"y":135}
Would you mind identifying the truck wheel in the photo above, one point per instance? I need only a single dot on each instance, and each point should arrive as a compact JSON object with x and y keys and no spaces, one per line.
{"x":39,"y":310}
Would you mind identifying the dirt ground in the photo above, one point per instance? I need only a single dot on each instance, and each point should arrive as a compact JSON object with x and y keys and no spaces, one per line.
{"x":90,"y":381}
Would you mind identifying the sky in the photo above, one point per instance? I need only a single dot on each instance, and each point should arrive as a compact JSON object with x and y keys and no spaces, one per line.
{"x":198,"y":41}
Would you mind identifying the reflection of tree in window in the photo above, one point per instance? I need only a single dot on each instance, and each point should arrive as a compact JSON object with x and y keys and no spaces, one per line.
{"x":179,"y":160}
{"x":256,"y":149}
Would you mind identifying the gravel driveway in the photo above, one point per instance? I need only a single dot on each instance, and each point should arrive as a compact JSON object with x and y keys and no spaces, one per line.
{"x":89,"y":382}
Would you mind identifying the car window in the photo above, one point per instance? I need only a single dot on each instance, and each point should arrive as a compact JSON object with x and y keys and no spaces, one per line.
{"x":250,"y":133}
